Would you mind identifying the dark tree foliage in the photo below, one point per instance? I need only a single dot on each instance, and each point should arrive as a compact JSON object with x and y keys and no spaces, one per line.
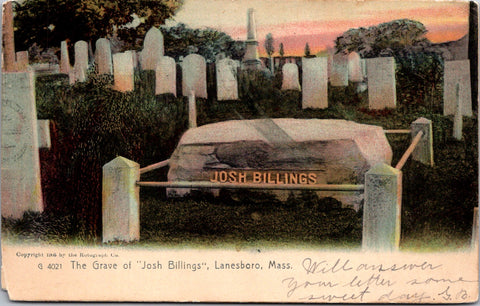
{"x":181,"y":40}
{"x":48,"y":22}
{"x":386,"y":39}
{"x":307,"y":50}
{"x":269,"y":48}
{"x":419,"y":63}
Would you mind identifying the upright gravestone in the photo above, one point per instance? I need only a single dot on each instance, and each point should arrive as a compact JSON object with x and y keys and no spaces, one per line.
{"x":355,"y":72}
{"x":339,"y":76}
{"x":43,"y":131}
{"x":81,"y":61}
{"x":290,"y":77}
{"x":166,"y":76}
{"x":314,"y":82}
{"x":381,"y":83}
{"x":20,"y":164}
{"x":123,"y":71}
{"x":22,"y":61}
{"x":457,"y":72}
{"x":152,"y":49}
{"x":227,"y":85}
{"x":120,"y":200}
{"x":363,"y":64}
{"x":103,"y":56}
{"x":194,"y":75}
{"x":64,"y":59}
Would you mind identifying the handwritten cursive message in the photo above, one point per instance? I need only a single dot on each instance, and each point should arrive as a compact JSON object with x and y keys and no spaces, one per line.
{"x":343,"y":281}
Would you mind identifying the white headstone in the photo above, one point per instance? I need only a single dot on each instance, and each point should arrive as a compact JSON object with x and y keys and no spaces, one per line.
{"x":123,"y":71}
{"x":339,"y":76}
{"x":20,"y":164}
{"x":227,"y":84}
{"x":152,"y":49}
{"x":363,"y":64}
{"x":43,"y":131}
{"x":166,"y":76}
{"x":381,"y":83}
{"x":290,"y":77}
{"x":355,"y":72}
{"x":81,"y":61}
{"x":103,"y":56}
{"x":64,"y":59}
{"x":194,"y":75}
{"x":457,"y":72}
{"x":192,"y":110}
{"x":458,"y":117}
{"x":22,"y":61}
{"x":315,"y":82}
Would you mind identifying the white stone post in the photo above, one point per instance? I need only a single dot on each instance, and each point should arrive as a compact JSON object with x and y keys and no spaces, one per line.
{"x":424,"y":150}
{"x":474,"y":242}
{"x":382,"y":209}
{"x":192,"y":110}
{"x":121,"y":200}
{"x":458,"y":117}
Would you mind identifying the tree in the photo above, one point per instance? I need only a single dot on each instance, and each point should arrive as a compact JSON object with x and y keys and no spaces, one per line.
{"x":419,"y":65}
{"x":269,"y":49}
{"x":307,"y":50}
{"x":388,"y":38}
{"x":181,"y":41}
{"x":281,"y":51}
{"x":48,"y":22}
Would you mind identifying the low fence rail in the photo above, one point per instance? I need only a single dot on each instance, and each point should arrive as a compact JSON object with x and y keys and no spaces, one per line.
{"x":382,"y":193}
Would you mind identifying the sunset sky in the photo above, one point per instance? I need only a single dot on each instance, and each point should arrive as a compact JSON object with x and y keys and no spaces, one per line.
{"x":319,"y":22}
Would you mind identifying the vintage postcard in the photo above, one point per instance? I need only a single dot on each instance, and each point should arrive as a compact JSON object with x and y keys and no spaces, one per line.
{"x":285,"y":151}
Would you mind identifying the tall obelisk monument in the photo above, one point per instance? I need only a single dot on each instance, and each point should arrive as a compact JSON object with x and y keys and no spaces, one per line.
{"x":251,"y":59}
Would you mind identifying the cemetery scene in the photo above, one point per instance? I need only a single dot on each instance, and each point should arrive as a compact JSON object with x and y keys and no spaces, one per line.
{"x":139,"y":126}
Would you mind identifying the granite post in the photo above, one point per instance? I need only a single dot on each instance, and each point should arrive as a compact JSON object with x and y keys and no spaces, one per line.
{"x":121,"y":201}
{"x":424,"y":150}
{"x":192,"y":111}
{"x":382,"y":209}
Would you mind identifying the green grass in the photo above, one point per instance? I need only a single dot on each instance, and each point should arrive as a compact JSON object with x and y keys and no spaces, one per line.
{"x":93,"y":124}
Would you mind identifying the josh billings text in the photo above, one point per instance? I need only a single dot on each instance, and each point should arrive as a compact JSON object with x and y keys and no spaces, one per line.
{"x":276,"y":177}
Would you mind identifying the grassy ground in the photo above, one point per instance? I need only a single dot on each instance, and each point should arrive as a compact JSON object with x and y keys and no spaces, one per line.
{"x":437,"y":206}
